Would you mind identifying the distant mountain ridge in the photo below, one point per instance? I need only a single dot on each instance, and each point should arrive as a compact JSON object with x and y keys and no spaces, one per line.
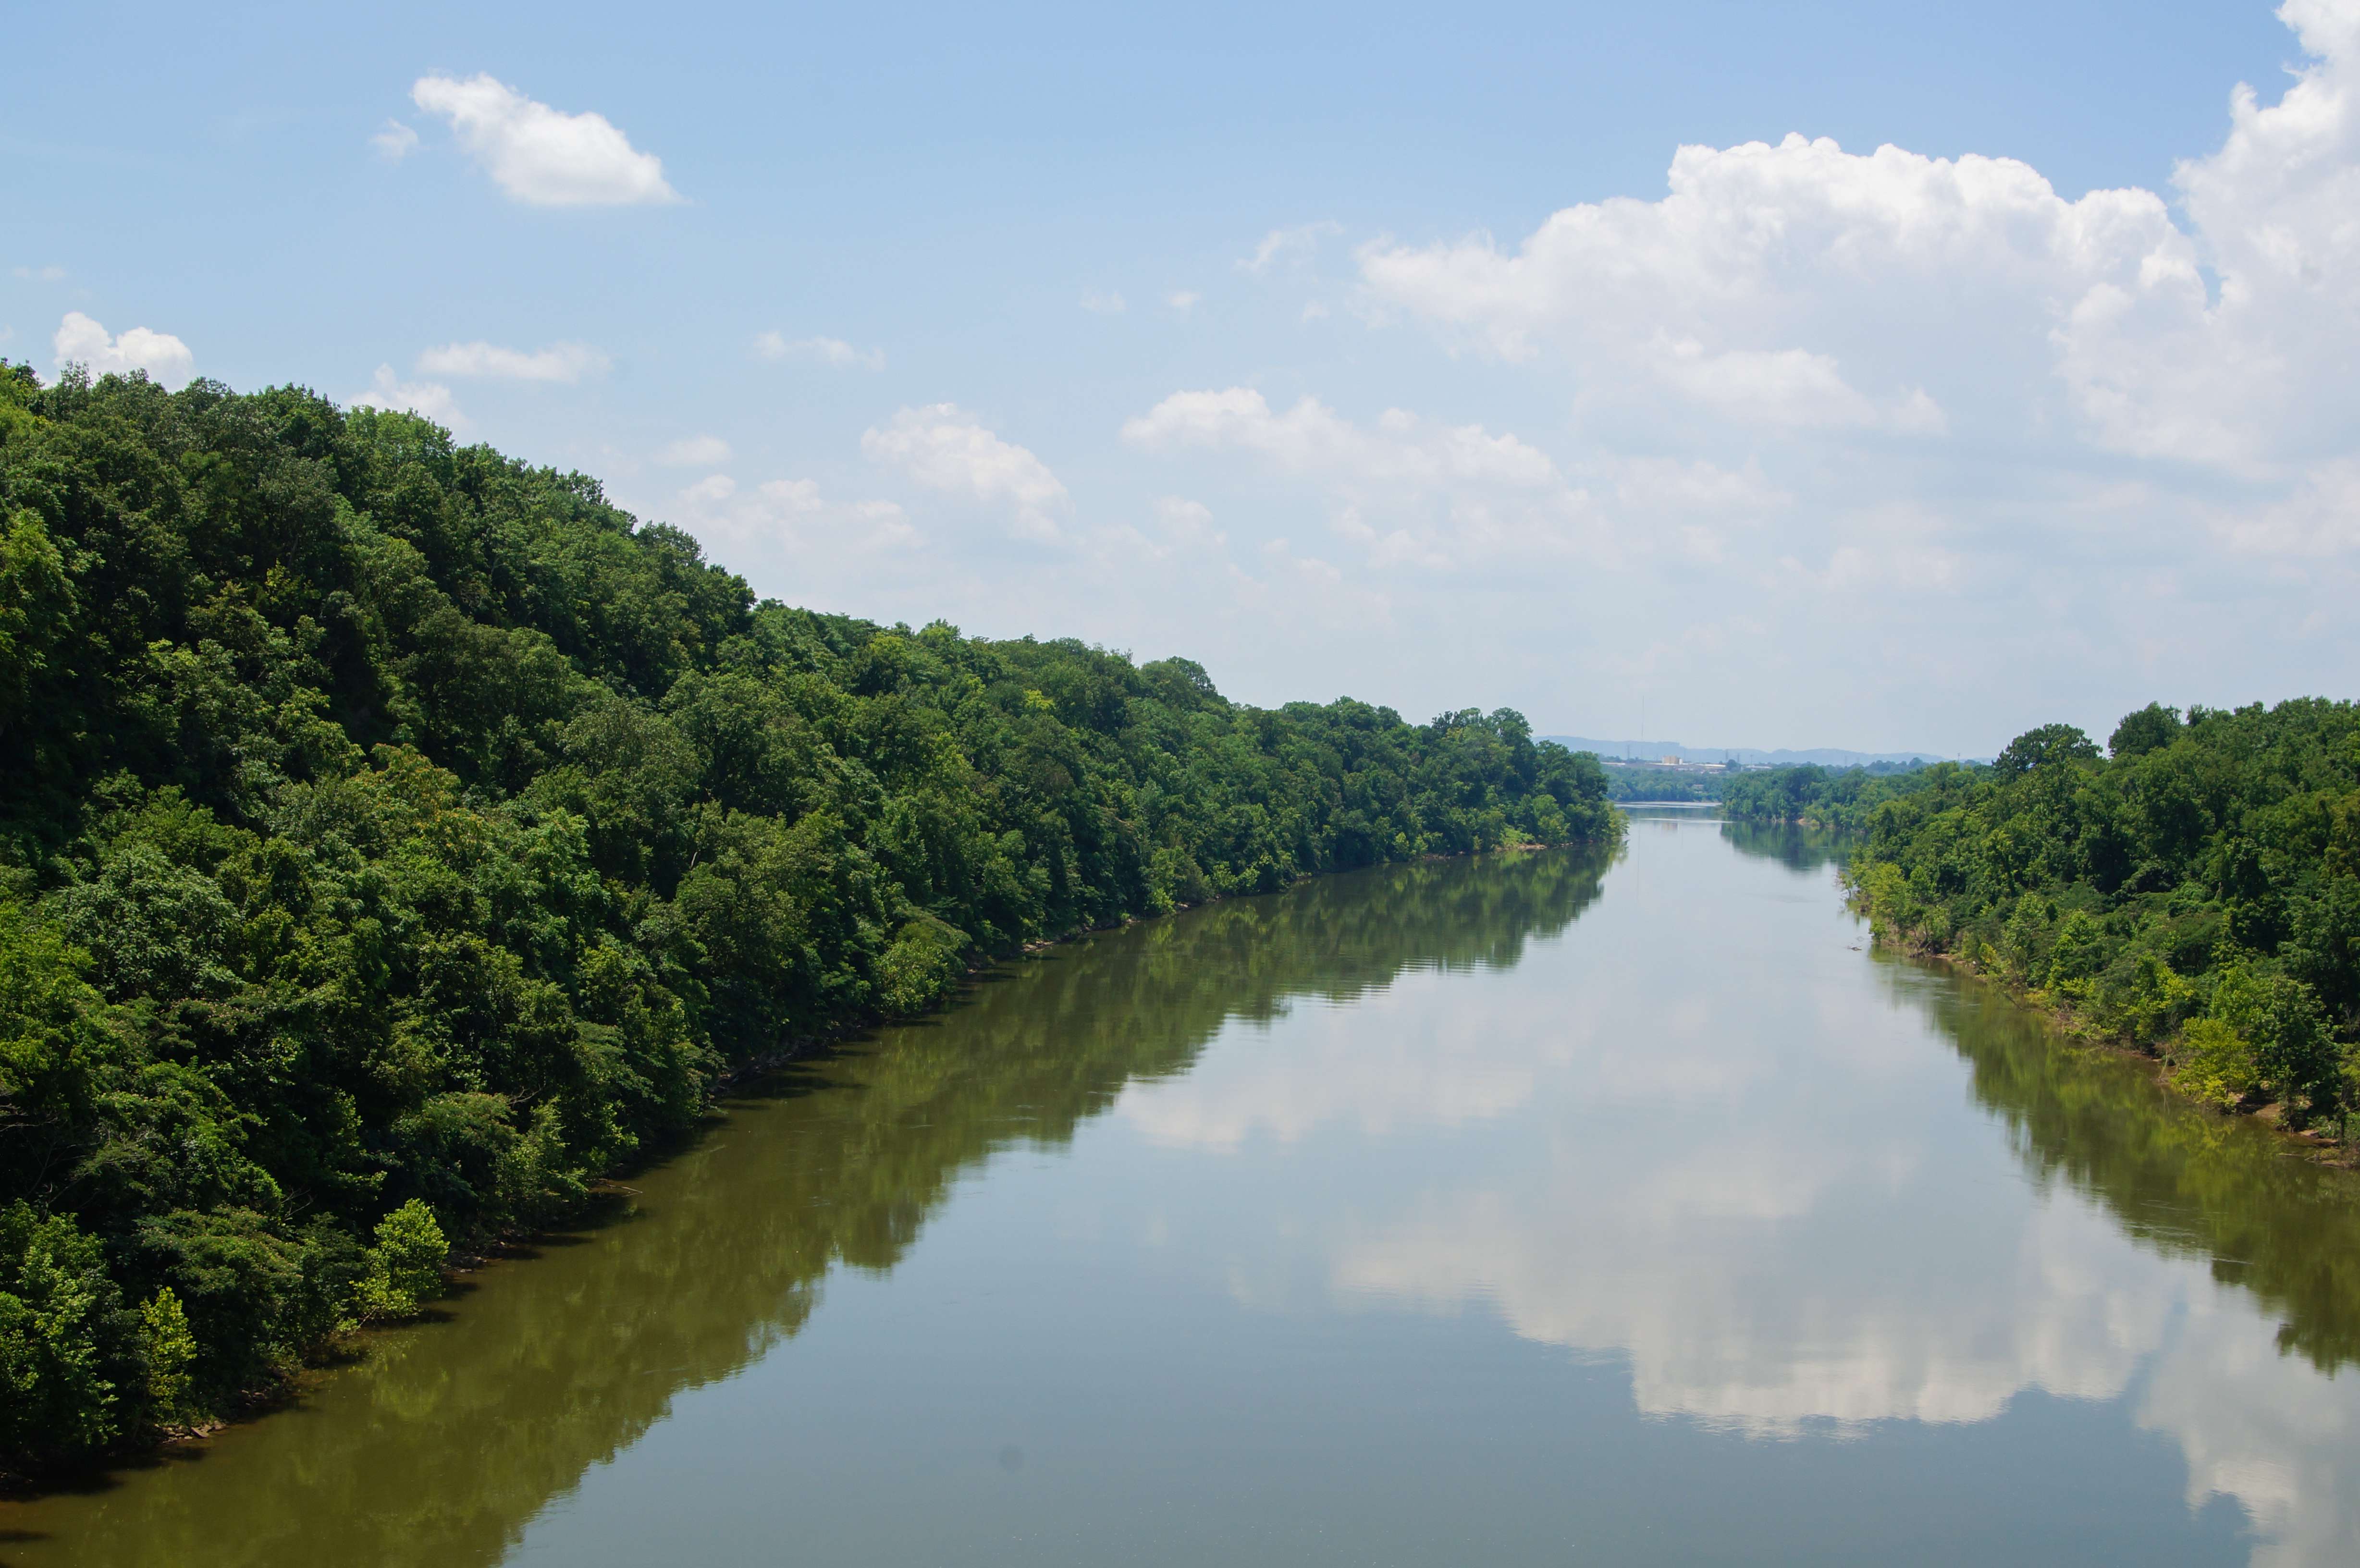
{"x":1656,"y":750}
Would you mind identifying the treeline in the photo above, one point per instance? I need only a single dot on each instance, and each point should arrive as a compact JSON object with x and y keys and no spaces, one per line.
{"x":1818,"y":797}
{"x":1803,"y":793}
{"x":2195,"y":892}
{"x":1627,"y":781}
{"x":394,"y":837}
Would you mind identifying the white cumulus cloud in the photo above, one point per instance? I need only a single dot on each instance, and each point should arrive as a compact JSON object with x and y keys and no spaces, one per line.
{"x":1407,"y":490}
{"x":165,"y":358}
{"x":2253,"y":372}
{"x":944,"y":448}
{"x":563,"y":362}
{"x":1787,"y":386}
{"x":541,"y":156}
{"x":1798,"y":285}
{"x":1846,"y":438}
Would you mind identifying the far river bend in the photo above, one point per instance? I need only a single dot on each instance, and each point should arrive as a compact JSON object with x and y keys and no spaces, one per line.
{"x":1543,"y":1208}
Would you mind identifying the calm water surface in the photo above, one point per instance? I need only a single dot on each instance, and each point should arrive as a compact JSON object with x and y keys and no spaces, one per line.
{"x":1533,"y":1208}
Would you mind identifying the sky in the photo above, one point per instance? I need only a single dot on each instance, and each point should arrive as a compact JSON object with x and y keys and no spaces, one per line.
{"x":1810,"y":375}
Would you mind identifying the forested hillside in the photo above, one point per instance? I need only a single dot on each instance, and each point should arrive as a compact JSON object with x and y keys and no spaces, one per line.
{"x":395,"y":836}
{"x":2197,"y":891}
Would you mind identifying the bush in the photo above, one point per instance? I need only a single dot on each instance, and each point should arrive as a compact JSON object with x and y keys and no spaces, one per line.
{"x":169,"y":1349}
{"x":2293,"y":1053}
{"x":922,"y":966}
{"x":2077,"y":954}
{"x":64,"y":1338}
{"x":2214,"y":1063}
{"x":405,"y":1266}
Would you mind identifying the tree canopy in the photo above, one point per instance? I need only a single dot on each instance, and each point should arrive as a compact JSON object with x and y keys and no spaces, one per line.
{"x":395,"y":836}
{"x":1842,"y":798}
{"x":2195,"y":890}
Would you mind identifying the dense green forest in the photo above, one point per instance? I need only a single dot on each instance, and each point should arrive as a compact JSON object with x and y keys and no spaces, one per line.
{"x":1841,"y":798}
{"x":1804,"y":792}
{"x":395,"y":837}
{"x":2195,"y":892}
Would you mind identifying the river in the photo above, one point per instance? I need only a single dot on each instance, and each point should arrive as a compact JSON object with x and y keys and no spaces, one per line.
{"x":1541,"y":1208}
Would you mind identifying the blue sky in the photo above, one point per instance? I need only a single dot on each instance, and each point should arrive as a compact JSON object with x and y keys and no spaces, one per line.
{"x":1248,"y":334}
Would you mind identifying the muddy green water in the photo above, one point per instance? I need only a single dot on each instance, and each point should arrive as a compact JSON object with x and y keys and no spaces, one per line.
{"x":1535,"y":1209}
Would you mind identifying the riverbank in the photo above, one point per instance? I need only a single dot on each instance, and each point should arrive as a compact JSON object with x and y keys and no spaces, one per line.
{"x":1186,"y":1222}
{"x":2190,"y":890}
{"x":327,"y":1354}
{"x":2167,"y":1056}
{"x":470,"y":891}
{"x":1618,"y":826}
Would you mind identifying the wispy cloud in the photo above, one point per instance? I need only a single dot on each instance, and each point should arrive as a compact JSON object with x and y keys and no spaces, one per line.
{"x":1279,"y":246}
{"x":819,"y":350}
{"x":793,"y":512}
{"x":694,"y":452}
{"x":394,"y":141}
{"x":944,"y":448}
{"x":561,"y":361}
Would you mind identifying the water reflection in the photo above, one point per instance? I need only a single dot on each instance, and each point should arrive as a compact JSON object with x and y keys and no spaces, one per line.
{"x":2238,"y":1390}
{"x":1805,"y":1235}
{"x":453,"y":1436}
{"x":2185,"y":1182}
{"x":1401,"y":1219}
{"x":1792,"y":844}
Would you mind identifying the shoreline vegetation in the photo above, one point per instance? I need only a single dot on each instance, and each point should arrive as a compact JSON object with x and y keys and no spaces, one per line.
{"x":2193,"y":895}
{"x":1751,"y":793}
{"x":1841,"y":799}
{"x":397,"y":839}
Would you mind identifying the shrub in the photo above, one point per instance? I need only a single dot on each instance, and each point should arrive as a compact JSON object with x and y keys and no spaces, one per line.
{"x":2293,"y":1053}
{"x":64,"y":1342}
{"x":405,"y":1266}
{"x":2214,"y":1063}
{"x":169,"y":1349}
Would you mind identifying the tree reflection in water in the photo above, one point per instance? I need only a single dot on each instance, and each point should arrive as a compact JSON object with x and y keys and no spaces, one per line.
{"x":453,"y":1435}
{"x":1703,"y":1141}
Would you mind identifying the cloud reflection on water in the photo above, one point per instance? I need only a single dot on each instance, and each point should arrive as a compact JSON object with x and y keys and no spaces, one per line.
{"x":1763,"y":1199}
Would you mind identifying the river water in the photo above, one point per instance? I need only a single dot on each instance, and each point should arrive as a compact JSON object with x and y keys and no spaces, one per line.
{"x":1544,"y":1208}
